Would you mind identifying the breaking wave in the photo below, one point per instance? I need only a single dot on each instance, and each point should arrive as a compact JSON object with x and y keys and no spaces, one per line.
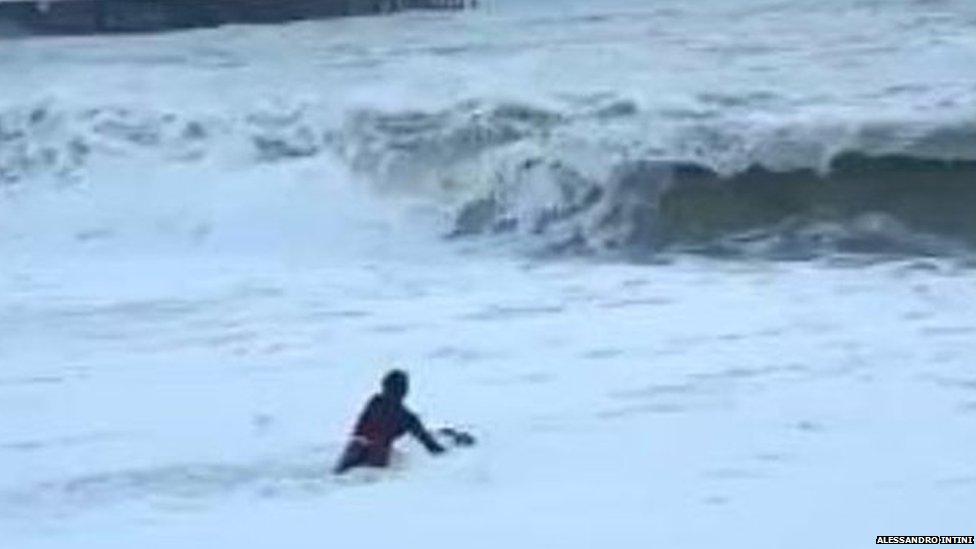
{"x":591,"y":175}
{"x":861,"y":204}
{"x":602,"y":178}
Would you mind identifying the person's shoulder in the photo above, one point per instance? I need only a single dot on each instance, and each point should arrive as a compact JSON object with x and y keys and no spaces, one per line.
{"x":374,"y":402}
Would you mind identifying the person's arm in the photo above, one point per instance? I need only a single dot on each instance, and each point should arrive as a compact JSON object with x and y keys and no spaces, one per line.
{"x":416,"y":428}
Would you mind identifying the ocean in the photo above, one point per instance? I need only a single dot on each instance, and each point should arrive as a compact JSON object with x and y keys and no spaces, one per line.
{"x":695,"y":273}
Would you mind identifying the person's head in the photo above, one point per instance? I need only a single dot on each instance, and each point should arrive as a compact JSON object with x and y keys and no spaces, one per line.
{"x":396,"y":384}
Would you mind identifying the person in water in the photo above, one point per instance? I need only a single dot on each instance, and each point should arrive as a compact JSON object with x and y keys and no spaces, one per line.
{"x":384,"y":420}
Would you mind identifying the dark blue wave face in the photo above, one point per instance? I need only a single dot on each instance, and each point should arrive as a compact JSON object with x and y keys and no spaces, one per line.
{"x":863,"y":204}
{"x":893,"y":205}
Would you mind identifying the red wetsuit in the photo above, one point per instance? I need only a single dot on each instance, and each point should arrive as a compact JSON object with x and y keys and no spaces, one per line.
{"x":384,"y":420}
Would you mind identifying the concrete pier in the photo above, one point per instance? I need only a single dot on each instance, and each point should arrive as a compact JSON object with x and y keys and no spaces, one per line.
{"x":108,"y":16}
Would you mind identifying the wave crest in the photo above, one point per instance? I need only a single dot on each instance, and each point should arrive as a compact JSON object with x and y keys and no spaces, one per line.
{"x":589,"y":174}
{"x":860,"y":203}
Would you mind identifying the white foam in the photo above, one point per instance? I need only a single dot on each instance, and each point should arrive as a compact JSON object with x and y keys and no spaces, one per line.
{"x":192,"y":310}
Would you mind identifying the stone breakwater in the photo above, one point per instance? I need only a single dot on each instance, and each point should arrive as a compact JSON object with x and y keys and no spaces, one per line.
{"x":106,"y":16}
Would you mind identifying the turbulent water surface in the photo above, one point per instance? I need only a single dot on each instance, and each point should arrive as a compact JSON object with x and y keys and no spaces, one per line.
{"x":592,"y":128}
{"x":686,"y":267}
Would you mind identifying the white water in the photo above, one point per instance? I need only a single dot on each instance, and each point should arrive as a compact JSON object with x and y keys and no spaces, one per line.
{"x":214,"y":243}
